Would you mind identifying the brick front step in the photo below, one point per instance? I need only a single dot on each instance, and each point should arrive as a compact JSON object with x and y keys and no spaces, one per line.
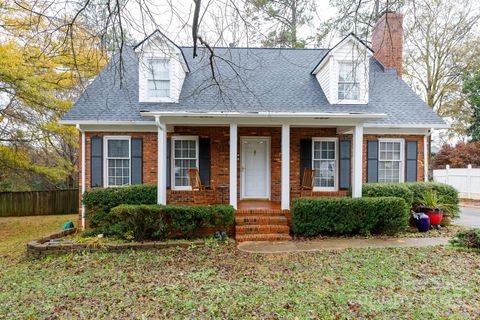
{"x":261,"y":212}
{"x":261,"y":229}
{"x":263,"y":237}
{"x":261,"y":220}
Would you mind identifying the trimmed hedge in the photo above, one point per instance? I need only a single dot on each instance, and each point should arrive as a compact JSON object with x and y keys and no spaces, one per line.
{"x":99,"y":201}
{"x":448,"y":193}
{"x":154,"y":222}
{"x":412,"y":192}
{"x":186,"y":220}
{"x":132,"y":213}
{"x":388,"y":190}
{"x":347,"y":216}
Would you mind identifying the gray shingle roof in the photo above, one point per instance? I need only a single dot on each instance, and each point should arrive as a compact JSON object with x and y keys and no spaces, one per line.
{"x":251,"y":80}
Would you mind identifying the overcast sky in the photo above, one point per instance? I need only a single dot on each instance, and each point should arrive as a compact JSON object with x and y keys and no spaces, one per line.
{"x":175,"y":22}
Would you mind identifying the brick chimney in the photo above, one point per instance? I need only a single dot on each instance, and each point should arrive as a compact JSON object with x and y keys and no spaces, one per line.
{"x":387,"y":41}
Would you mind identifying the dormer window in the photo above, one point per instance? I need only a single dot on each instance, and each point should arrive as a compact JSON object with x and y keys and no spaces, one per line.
{"x":158,"y":78}
{"x":348,"y":84}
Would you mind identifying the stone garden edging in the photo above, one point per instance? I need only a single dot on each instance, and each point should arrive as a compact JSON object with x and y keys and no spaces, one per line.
{"x":43,"y":247}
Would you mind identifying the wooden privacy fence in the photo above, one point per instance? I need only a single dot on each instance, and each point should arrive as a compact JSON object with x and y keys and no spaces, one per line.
{"x":32,"y":203}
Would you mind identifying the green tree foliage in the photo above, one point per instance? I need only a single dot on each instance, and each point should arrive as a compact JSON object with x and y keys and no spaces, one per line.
{"x":285,"y":18}
{"x":471,"y":88}
{"x":459,"y":156}
{"x":40,"y":75}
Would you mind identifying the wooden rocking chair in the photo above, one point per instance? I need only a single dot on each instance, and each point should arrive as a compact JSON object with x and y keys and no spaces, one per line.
{"x":306,"y":189}
{"x":198,"y":189}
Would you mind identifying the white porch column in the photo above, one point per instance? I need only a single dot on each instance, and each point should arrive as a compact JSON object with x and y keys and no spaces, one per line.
{"x":161,"y":162}
{"x":285,"y":167}
{"x":357,"y":172}
{"x":425,"y":157}
{"x":233,"y":164}
{"x":83,"y":175}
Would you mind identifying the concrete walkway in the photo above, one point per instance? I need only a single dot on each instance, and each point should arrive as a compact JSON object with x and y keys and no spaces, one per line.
{"x":337,"y":244}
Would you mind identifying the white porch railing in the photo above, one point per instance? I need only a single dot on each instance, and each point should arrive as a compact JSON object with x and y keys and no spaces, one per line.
{"x":465,"y":180}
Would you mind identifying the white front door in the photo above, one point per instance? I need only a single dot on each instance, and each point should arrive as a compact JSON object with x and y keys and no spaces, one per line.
{"x":255,"y":167}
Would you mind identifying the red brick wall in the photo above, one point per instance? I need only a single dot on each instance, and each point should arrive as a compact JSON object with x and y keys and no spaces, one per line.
{"x":220,"y":157}
{"x":149,"y":154}
{"x":420,"y":156}
{"x":220,"y":160}
{"x":297,"y":134}
{"x":387,"y":41}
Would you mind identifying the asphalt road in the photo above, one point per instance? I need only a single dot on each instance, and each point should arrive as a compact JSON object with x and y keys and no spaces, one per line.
{"x":469,"y":217}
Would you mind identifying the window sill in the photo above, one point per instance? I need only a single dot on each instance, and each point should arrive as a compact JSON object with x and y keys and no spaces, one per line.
{"x":181,"y":188}
{"x":318,"y":189}
{"x":351,"y":102}
{"x":158,"y":100}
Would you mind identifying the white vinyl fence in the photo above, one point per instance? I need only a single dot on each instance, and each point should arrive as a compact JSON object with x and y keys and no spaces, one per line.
{"x":465,"y":180}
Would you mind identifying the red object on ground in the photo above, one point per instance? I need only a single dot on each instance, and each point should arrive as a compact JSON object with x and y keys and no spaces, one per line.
{"x":435,"y":217}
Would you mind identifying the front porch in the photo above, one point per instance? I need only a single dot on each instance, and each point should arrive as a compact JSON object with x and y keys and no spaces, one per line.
{"x":258,"y":169}
{"x":244,"y":165}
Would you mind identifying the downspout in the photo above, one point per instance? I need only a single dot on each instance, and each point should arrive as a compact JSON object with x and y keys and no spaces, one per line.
{"x":83,"y":173}
{"x":426,"y":153}
{"x":161,"y":129}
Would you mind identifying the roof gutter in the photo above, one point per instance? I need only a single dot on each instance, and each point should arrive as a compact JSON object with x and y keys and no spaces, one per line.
{"x":105,"y":122}
{"x":408,"y":126}
{"x":264,"y":115}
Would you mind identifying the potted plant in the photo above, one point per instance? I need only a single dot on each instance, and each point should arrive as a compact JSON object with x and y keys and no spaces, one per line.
{"x":434,"y":206}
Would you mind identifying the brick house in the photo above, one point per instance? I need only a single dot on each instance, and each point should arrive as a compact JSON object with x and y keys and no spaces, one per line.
{"x":267,"y":114}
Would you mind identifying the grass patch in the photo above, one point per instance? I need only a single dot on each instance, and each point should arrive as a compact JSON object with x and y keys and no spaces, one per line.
{"x":15,"y":232}
{"x":219,"y":281}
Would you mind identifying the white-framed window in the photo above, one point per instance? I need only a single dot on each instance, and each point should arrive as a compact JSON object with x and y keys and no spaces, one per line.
{"x":117,"y":161}
{"x":158,"y":78}
{"x":348,"y":84}
{"x":184,"y":157}
{"x":325,"y":162}
{"x":391,"y":160}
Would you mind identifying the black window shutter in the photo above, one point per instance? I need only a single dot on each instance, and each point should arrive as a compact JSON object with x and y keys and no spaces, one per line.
{"x":411,"y":161}
{"x":204,"y":160}
{"x":372,"y":161}
{"x":96,"y":162}
{"x":305,"y":156}
{"x":345,"y":161}
{"x":169,"y":162}
{"x":137,"y":161}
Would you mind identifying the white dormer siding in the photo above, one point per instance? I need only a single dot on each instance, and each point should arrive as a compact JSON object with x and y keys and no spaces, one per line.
{"x":348,"y":51}
{"x":159,"y":48}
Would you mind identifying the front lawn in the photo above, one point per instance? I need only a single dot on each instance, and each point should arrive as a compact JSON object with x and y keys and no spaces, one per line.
{"x":15,"y":232}
{"x":218,"y":281}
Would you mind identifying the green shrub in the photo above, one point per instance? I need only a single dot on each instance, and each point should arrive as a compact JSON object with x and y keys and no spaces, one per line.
{"x":448,"y":194}
{"x":185,"y":220}
{"x":99,"y":201}
{"x":140,"y":222}
{"x":346,"y":216}
{"x":388,"y":190}
{"x":468,"y":239}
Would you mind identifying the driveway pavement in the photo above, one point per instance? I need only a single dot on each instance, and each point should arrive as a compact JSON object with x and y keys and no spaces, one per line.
{"x":469,"y":217}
